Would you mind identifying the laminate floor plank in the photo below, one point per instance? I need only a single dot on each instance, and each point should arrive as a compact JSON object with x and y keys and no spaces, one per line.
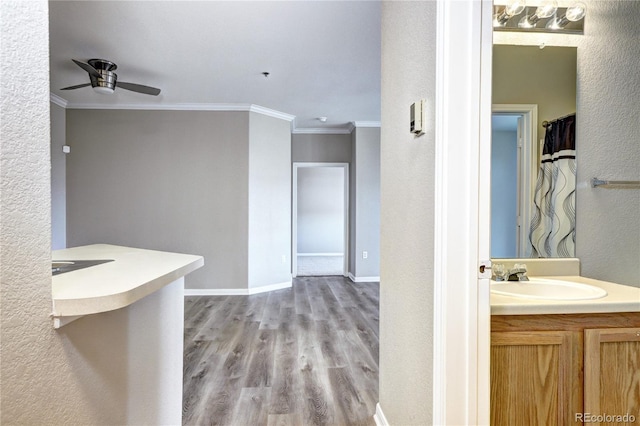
{"x":351,"y":401}
{"x":294,"y":357}
{"x":301,"y":298}
{"x":365,"y":303}
{"x":365,"y":332}
{"x":271,"y":316}
{"x":318,"y":305}
{"x":251,"y":407}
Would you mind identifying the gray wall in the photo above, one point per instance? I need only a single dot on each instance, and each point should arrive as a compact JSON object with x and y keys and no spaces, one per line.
{"x":608,"y":220}
{"x":530,"y":75}
{"x":320,"y":210}
{"x":361,"y":149}
{"x":269,"y":201}
{"x":165,"y":180}
{"x":407,"y":204}
{"x":320,"y":148}
{"x":365,"y":202}
{"x":504,"y":193}
{"x":58,"y":178}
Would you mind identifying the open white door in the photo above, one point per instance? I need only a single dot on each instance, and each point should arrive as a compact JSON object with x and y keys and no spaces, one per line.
{"x":462,"y":213}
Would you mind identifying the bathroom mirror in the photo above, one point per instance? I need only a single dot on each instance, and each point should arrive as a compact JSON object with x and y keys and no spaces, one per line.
{"x":534,"y":89}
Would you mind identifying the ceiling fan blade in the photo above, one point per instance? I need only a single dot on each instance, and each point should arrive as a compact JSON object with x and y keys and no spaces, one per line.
{"x":88,"y":68}
{"x":147,"y":90}
{"x":76,"y":87}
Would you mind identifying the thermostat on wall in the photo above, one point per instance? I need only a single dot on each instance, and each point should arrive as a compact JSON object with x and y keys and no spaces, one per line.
{"x":417,"y":117}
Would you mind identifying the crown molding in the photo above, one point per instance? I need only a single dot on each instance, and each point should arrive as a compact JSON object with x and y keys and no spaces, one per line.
{"x":58,"y":100}
{"x":322,"y":131}
{"x":175,"y":107}
{"x":366,"y":123}
{"x":219,"y":107}
{"x":272,"y":113}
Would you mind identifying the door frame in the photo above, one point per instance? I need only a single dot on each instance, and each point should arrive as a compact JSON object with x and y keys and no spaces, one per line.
{"x":462,"y":309}
{"x":294,"y":213}
{"x":527,"y":160}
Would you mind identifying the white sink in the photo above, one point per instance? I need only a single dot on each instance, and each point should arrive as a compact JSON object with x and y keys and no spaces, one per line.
{"x":548,"y":289}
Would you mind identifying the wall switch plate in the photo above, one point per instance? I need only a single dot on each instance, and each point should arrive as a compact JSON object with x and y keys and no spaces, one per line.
{"x":417,"y":117}
{"x":365,"y":254}
{"x":284,"y":258}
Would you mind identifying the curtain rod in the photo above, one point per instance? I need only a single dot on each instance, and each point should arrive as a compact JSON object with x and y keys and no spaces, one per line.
{"x":546,"y":123}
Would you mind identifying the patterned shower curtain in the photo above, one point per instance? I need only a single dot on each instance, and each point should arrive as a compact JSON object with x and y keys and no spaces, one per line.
{"x":553,"y":223}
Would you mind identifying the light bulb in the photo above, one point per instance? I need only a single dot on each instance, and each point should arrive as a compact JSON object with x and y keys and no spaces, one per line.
{"x":546,"y":9}
{"x":576,"y":11}
{"x":514,"y":8}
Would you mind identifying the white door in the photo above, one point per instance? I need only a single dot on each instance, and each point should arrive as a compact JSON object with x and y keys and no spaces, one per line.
{"x":320,"y":219}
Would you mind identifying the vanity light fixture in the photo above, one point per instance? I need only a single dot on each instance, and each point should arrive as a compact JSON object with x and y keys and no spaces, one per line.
{"x":515,"y":7}
{"x":574,"y":13}
{"x":545,"y":10}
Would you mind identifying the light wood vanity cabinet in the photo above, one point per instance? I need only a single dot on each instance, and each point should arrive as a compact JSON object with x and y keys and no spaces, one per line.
{"x":547,"y":368}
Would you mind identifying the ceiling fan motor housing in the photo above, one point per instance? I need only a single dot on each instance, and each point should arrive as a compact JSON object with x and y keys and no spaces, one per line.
{"x":106,"y":83}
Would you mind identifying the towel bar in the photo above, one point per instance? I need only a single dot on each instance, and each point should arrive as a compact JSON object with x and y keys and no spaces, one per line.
{"x":614,"y":184}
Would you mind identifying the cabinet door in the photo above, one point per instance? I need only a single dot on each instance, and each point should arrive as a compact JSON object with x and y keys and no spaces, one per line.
{"x":535,"y":377}
{"x":612,"y":375}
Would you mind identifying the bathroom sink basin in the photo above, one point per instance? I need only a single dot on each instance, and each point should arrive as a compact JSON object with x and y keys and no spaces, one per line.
{"x":62,"y":266}
{"x":547,"y":289}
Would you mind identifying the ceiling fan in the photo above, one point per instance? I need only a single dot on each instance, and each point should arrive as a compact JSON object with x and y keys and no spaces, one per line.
{"x":105,"y":80}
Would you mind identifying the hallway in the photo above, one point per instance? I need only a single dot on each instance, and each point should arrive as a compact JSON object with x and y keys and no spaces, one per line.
{"x":307,"y":355}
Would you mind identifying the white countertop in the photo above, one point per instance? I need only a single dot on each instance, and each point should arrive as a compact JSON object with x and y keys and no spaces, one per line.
{"x":619,"y":298}
{"x":134,"y":274}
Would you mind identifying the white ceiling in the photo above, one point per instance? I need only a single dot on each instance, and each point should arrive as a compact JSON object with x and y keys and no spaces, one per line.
{"x":323,"y":56}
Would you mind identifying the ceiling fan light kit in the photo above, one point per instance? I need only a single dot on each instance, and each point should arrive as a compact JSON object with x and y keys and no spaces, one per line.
{"x":104,"y":80}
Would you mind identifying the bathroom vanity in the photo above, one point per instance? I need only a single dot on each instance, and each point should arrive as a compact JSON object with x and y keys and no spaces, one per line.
{"x":565,"y":362}
{"x":125,"y":319}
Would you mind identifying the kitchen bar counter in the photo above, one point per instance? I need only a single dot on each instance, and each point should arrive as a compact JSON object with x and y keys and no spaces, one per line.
{"x":134,"y":274}
{"x":619,"y":298}
{"x":131,"y":346}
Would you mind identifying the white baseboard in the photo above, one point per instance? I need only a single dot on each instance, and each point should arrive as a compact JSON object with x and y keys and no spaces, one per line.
{"x":236,"y":291}
{"x":362,"y":279}
{"x":379,"y":417}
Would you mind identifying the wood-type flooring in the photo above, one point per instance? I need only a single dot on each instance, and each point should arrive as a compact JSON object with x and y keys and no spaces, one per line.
{"x":302,"y":356}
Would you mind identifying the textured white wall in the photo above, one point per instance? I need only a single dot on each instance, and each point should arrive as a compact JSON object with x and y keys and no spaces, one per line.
{"x":608,"y":142}
{"x":38,"y":376}
{"x":407,"y":205}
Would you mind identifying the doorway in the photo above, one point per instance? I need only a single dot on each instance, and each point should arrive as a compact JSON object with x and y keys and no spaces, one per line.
{"x":514,"y":157}
{"x":320,"y":212}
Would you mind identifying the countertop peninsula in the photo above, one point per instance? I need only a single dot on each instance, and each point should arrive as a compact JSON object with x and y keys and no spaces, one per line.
{"x":133,"y":274}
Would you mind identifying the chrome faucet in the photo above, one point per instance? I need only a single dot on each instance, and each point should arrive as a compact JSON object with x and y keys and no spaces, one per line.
{"x":518,"y":272}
